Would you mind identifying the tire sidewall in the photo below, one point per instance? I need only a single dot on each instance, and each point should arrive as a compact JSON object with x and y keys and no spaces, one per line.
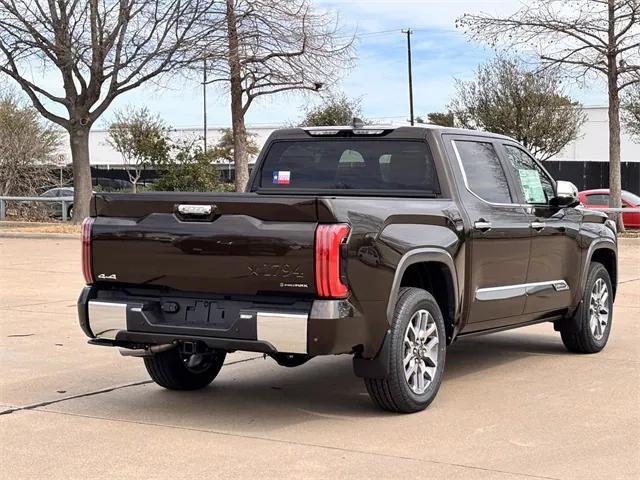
{"x":409,"y":302}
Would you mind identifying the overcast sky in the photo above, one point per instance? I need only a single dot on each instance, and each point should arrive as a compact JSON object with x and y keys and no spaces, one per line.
{"x":440,"y":54}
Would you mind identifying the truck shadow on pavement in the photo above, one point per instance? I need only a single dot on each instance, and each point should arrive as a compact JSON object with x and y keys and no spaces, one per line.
{"x":256,"y":396}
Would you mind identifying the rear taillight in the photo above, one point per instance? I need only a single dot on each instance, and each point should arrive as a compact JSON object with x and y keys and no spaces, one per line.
{"x":329,"y":240}
{"x":87,"y":225}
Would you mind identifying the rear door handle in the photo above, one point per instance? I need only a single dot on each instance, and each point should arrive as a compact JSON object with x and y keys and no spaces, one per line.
{"x":482,"y":225}
{"x":537,"y":225}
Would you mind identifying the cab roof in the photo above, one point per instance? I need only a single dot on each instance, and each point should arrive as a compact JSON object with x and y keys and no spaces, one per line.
{"x":381,"y":130}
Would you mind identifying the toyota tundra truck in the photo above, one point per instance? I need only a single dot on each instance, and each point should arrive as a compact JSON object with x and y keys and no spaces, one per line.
{"x":382,"y":243}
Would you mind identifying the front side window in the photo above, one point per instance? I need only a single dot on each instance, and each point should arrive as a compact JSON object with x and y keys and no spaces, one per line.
{"x":536,"y":186}
{"x":483,"y":171}
{"x":349,"y":165}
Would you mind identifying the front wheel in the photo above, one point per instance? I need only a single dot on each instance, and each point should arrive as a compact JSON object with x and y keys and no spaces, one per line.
{"x":171,"y":369}
{"x":591,"y":324}
{"x":416,"y":355}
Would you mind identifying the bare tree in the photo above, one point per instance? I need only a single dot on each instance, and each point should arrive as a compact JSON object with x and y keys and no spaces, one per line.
{"x":587,"y":38}
{"x":272,"y":47}
{"x":100,"y":49}
{"x":509,"y":98}
{"x":141,"y":138}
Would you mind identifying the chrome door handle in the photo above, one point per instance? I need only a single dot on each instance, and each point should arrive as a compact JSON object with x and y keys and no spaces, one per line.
{"x":537,"y":225}
{"x":185,"y":209}
{"x":482,"y":225}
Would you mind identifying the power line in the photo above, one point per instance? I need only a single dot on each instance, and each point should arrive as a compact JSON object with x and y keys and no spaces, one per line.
{"x":434,"y":31}
{"x":408,"y":32}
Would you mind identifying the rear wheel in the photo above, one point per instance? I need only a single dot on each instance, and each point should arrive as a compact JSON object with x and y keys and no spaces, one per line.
{"x":589,"y":331}
{"x":171,"y":369}
{"x":416,"y":355}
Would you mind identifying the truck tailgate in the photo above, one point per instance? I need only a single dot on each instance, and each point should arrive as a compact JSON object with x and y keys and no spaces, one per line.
{"x":248,"y":244}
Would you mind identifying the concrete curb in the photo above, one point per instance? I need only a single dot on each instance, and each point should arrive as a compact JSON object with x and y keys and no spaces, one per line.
{"x":41,"y":236}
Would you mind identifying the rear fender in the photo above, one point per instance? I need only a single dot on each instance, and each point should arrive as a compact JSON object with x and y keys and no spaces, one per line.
{"x":378,"y":367}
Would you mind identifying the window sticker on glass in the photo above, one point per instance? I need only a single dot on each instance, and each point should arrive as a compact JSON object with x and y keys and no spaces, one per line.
{"x":282,"y":177}
{"x":531,"y":186}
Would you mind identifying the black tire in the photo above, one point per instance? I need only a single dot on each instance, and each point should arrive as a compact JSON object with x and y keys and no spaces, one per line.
{"x":169,"y":370}
{"x":393,"y":393}
{"x":578,"y":336}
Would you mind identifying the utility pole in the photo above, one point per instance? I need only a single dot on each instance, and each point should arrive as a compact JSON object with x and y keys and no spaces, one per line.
{"x":204,"y":103}
{"x":408,"y":32}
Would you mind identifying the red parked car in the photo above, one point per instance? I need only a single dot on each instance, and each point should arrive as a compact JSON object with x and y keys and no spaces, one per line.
{"x":600,"y":199}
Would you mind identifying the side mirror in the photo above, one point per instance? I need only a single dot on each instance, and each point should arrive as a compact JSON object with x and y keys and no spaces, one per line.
{"x":566,"y":195}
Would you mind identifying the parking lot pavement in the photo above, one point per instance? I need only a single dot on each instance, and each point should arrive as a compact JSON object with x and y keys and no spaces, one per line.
{"x":513,"y":405}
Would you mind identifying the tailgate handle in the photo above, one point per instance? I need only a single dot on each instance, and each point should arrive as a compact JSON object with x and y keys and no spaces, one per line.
{"x":195,"y":210}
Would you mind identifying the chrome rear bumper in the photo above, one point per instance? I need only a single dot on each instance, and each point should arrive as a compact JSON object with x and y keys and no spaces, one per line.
{"x":311,"y":327}
{"x":285,"y":332}
{"x":107,"y":318}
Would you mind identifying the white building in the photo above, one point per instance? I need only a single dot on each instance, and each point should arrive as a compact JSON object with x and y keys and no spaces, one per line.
{"x":593,"y":144}
{"x":102,"y":155}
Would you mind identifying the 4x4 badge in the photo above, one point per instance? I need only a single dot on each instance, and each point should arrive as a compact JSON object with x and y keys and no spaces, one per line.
{"x":102,"y":276}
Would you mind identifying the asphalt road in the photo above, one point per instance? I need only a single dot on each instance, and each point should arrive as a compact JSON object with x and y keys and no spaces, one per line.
{"x":513,"y":405}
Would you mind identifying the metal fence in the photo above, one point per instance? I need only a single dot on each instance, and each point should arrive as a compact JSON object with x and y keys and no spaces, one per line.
{"x":65,"y":203}
{"x":590,"y":175}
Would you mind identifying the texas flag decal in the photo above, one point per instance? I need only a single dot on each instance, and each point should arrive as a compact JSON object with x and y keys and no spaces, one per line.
{"x":281,"y":177}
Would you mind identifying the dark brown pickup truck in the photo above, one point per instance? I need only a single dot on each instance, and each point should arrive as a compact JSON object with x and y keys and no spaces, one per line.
{"x":383,"y":243}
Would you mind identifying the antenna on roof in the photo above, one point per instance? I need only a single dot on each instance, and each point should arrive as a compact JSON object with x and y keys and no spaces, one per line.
{"x":357,"y":123}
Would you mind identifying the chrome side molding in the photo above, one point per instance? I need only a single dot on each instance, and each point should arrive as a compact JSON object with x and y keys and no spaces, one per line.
{"x":521,"y":290}
{"x":561,"y":285}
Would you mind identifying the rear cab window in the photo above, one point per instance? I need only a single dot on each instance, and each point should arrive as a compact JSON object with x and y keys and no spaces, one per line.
{"x":346,"y":166}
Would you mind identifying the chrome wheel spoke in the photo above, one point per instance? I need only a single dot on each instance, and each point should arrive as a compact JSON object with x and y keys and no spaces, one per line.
{"x":420,"y":377}
{"x":407,"y":357}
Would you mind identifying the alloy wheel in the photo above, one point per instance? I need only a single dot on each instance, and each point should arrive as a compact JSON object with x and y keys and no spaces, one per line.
{"x":599,"y":309}
{"x":420,"y":359}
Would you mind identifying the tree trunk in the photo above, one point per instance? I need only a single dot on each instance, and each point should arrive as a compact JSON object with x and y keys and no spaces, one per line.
{"x":81,"y":173}
{"x":615,"y":184}
{"x":237,"y":114}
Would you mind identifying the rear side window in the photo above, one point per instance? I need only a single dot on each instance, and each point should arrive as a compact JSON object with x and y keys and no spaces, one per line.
{"x":349,"y":164}
{"x":598,"y":199}
{"x":483,"y":170}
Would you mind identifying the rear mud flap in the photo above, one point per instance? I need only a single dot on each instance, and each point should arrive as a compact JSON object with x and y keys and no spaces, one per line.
{"x":377,"y":367}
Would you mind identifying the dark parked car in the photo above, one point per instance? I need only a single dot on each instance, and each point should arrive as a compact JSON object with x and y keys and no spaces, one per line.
{"x":383,"y":243}
{"x":599,"y":198}
{"x":55,"y":208}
